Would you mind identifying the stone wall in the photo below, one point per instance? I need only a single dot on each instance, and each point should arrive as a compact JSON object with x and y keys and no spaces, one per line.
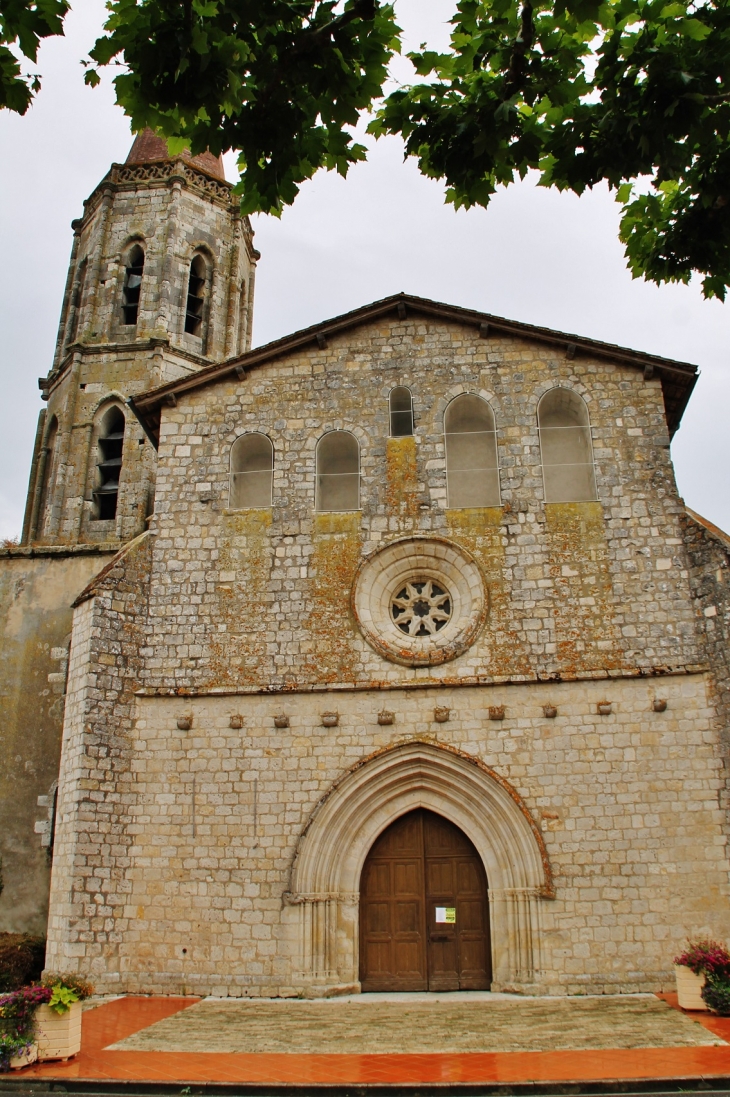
{"x":189,"y":818}
{"x":36,"y":590}
{"x":92,"y":822}
{"x":260,"y":598}
{"x":192,"y":888}
{"x":709,"y":553}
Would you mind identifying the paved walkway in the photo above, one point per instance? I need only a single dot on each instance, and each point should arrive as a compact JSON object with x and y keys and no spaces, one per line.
{"x":421,"y":1025}
{"x":108,"y":1028}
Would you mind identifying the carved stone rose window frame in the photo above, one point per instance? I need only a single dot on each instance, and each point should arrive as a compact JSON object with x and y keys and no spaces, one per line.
{"x":427,"y":563}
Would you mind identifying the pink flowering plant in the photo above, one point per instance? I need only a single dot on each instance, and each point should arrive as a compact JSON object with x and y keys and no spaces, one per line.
{"x":17,"y":1021}
{"x":705,"y":957}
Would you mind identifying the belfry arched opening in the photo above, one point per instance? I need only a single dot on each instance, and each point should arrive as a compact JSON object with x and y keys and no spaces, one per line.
{"x":424,"y":913}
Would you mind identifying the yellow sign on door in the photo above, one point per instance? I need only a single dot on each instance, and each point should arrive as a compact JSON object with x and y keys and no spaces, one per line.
{"x":446,"y":915}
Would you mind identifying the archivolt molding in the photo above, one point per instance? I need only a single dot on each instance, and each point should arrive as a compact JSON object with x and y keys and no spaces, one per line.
{"x":372,"y":794}
{"x":325,"y":875}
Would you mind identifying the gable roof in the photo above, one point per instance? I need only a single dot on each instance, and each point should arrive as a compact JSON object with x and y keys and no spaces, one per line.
{"x":677,"y":378}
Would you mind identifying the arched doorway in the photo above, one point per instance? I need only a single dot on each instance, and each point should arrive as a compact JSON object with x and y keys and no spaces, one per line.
{"x":424,"y":915}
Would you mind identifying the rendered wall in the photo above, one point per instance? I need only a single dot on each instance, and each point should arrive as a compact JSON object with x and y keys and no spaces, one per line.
{"x":36,"y":591}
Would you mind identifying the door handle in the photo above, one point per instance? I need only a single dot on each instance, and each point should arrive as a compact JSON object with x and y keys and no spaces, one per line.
{"x":441,"y":938}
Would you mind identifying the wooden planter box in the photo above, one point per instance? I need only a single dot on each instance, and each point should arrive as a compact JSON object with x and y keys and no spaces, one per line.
{"x":27,"y":1056}
{"x":689,"y":987}
{"x":58,"y":1034}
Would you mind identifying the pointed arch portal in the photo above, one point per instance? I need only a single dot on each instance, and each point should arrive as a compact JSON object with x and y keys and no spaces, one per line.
{"x":326,"y":875}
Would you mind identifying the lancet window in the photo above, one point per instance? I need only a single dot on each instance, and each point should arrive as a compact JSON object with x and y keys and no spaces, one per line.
{"x":110,"y":451}
{"x":132,"y":285}
{"x":195,"y":303}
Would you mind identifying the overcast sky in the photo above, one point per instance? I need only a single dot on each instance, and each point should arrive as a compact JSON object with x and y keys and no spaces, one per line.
{"x":534,"y":256}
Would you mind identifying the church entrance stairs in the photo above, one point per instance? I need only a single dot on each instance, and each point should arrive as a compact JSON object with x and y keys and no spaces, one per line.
{"x":391,"y":1043}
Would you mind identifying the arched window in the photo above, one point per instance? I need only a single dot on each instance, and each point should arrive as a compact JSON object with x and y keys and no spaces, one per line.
{"x":48,"y":455}
{"x":566,"y":448}
{"x":196,"y":296}
{"x":472,"y":470}
{"x":252,"y":472}
{"x":338,"y":471}
{"x":401,"y":413}
{"x":110,"y":448}
{"x":132,"y":285}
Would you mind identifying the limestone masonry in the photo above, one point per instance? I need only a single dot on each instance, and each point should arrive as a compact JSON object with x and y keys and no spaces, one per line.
{"x":416,"y":562}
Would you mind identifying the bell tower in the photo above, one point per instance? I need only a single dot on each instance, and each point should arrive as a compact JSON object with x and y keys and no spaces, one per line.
{"x":160,"y":284}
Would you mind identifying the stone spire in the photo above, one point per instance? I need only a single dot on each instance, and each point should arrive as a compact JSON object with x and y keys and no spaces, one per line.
{"x":147,"y":146}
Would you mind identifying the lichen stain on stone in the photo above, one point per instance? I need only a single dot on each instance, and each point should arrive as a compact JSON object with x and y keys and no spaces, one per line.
{"x":337,"y":546}
{"x":401,"y":477}
{"x":586,"y":634}
{"x":238,"y":651}
{"x":479,"y":529}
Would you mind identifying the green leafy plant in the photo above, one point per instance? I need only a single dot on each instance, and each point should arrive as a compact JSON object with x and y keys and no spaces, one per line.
{"x":631,"y":93}
{"x":65,"y":990}
{"x":716,"y":994}
{"x":62,"y":998}
{"x":23,"y":23}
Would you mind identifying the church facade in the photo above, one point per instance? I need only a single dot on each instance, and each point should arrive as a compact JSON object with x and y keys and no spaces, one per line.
{"x":396,"y":661}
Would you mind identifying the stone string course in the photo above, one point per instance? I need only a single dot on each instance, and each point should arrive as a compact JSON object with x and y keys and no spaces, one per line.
{"x":175,"y":847}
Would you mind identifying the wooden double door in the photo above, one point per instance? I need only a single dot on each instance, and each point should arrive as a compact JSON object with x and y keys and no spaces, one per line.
{"x":424,"y":915}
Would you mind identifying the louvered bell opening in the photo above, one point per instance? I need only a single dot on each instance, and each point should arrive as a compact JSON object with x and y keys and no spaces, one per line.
{"x":194,"y":308}
{"x":105,"y":499}
{"x":132,"y":286}
{"x":110,"y":468}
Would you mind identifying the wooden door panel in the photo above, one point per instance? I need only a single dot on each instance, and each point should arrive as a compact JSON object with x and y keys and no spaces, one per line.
{"x":471,"y":915}
{"x":420,"y":862}
{"x":407,"y":918}
{"x":377,"y":916}
{"x":407,"y":878}
{"x":440,"y":877}
{"x":467,"y":877}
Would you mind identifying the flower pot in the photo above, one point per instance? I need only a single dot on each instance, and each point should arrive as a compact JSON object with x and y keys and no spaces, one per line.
{"x":58,"y":1034}
{"x":689,"y":988}
{"x":24,"y":1057}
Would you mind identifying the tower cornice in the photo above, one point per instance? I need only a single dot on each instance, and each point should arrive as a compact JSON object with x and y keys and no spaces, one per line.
{"x":132,"y":177}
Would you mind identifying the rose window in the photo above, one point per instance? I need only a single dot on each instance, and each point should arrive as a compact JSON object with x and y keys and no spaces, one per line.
{"x":421,"y":608}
